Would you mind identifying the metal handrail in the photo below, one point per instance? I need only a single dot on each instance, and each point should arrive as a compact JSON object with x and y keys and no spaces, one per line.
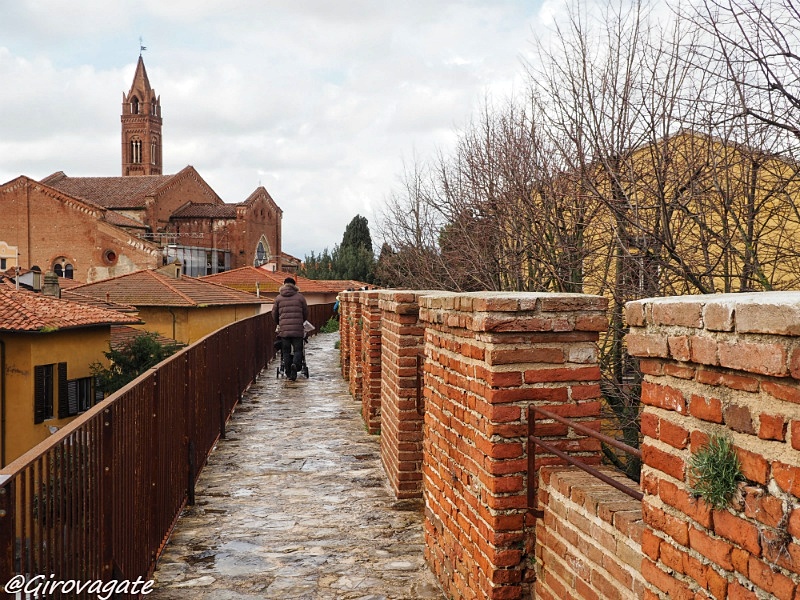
{"x":533,"y":441}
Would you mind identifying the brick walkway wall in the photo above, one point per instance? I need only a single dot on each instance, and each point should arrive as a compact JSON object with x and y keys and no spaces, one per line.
{"x":402,"y":341}
{"x":729,"y":365}
{"x":370,"y":361}
{"x":588,"y":543}
{"x":489,"y":356}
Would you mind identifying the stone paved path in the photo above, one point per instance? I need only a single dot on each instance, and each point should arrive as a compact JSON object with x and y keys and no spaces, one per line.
{"x":293,"y":504}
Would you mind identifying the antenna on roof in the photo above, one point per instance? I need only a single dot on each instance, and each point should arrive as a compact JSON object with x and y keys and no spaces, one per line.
{"x":142,"y":48}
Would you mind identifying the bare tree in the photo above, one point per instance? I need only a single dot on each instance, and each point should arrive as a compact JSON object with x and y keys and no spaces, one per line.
{"x":753,"y":45}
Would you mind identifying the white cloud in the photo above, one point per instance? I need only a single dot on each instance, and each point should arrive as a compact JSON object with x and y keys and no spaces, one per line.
{"x":318,"y":101}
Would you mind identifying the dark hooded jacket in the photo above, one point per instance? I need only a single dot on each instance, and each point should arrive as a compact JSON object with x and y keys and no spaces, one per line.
{"x":290,"y":311}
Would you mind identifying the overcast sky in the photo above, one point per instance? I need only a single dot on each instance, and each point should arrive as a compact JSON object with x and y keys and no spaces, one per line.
{"x":319,"y":101}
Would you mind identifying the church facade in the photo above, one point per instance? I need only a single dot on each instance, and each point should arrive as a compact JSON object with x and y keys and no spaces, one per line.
{"x":93,"y":228}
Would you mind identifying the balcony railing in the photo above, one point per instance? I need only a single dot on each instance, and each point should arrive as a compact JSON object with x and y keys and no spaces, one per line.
{"x":98,"y":499}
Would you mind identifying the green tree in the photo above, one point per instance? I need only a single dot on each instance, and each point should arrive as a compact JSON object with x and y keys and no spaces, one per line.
{"x":130,"y":361}
{"x":352,"y":259}
{"x":318,"y":266}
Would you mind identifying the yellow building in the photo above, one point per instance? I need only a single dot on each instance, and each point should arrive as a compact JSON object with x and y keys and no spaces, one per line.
{"x":173,"y":305}
{"x":46,"y":348}
{"x":8,"y":256}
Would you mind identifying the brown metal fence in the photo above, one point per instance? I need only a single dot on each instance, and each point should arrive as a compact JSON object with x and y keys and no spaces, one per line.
{"x":98,"y":500}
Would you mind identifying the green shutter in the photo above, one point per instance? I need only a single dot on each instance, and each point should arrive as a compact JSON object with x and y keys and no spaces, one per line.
{"x":38,"y":394}
{"x":63,"y":392}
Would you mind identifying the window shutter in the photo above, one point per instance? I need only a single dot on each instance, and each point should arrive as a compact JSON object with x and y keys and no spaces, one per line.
{"x":72,"y":395}
{"x":63,"y":393}
{"x":98,"y":392}
{"x":38,"y":394}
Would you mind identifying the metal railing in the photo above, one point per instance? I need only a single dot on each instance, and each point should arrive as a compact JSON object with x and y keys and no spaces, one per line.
{"x":534,"y":441}
{"x":98,"y":499}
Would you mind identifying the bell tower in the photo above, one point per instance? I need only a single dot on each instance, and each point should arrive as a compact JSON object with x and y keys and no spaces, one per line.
{"x":141,"y":127}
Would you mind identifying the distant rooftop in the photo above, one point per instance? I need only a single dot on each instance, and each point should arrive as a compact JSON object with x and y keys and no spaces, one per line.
{"x":25,"y":311}
{"x":152,"y":288}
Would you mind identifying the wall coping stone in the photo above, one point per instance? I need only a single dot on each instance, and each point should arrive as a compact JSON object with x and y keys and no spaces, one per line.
{"x":775,"y":313}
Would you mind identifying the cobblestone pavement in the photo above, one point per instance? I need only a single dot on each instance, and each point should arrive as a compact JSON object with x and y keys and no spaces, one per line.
{"x":294,"y":504}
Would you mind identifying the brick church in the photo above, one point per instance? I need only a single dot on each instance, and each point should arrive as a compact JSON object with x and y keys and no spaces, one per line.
{"x":93,"y":228}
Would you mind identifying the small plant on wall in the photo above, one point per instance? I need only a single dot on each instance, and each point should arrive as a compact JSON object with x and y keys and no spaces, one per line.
{"x":715,"y":471}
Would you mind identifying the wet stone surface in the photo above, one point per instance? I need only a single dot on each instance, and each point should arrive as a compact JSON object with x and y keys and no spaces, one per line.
{"x":294,"y":504}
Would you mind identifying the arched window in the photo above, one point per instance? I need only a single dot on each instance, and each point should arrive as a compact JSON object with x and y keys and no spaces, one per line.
{"x":135,"y":106}
{"x":136,"y":151}
{"x":58,"y":270}
{"x":69,"y":271}
{"x":152,"y":153}
{"x":262,"y":252}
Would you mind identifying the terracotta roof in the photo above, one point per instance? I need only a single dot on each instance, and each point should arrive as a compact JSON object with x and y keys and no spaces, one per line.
{"x":269,"y":282}
{"x":77,"y":296}
{"x":346,"y":284}
{"x":122,"y":335}
{"x":151,"y":288}
{"x":194,"y":210}
{"x":120,"y":220}
{"x":65,"y":283}
{"x":28,"y":311}
{"x":109,"y":192}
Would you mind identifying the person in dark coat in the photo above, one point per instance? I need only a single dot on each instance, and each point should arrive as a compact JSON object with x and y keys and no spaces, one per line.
{"x":290,"y":311}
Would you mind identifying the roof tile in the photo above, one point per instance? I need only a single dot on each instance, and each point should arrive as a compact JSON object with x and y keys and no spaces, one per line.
{"x":21,"y":310}
{"x":151,"y":288}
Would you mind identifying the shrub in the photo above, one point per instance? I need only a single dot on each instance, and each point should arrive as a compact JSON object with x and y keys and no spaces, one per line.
{"x":715,"y":471}
{"x":331,"y":326}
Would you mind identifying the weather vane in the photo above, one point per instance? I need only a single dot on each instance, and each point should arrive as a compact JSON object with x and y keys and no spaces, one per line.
{"x":142,"y":48}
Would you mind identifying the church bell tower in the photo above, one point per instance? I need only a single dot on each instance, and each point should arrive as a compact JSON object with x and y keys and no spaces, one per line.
{"x":141,"y":127}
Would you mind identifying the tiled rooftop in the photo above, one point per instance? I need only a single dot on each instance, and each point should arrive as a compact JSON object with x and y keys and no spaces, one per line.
{"x":121,"y":335}
{"x":109,"y":192}
{"x":151,"y":288}
{"x":194,"y":210}
{"x":269,"y":282}
{"x":21,"y":310}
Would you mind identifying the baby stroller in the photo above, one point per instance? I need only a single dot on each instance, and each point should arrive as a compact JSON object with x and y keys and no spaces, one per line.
{"x":280,"y":371}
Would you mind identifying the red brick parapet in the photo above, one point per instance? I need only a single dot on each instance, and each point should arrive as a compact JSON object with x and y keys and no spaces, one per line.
{"x":402,"y":342}
{"x":720,"y":364}
{"x":345,"y":327}
{"x":488,"y":356}
{"x":588,"y":544}
{"x":351,"y":341}
{"x":370,"y":360}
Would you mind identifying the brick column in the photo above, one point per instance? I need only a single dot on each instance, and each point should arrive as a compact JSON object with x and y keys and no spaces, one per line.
{"x":344,"y":334}
{"x":354,"y":335}
{"x":724,"y":364}
{"x":371,"y":361}
{"x":488,"y":357}
{"x":402,"y":340}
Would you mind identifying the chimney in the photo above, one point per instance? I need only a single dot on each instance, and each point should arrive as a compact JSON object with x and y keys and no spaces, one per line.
{"x":50,"y":286}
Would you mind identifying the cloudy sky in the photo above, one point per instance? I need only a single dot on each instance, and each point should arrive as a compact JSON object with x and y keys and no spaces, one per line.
{"x":319,"y":101}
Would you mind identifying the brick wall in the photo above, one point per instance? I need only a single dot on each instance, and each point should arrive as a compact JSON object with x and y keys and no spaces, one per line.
{"x":354,"y":336}
{"x":345,"y":327}
{"x":402,"y":340}
{"x":370,"y":360}
{"x":723,"y":364}
{"x":588,"y":543}
{"x":489,"y":356}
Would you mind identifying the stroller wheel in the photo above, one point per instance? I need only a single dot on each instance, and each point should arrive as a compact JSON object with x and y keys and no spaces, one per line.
{"x":305,"y":372}
{"x":277,"y":373}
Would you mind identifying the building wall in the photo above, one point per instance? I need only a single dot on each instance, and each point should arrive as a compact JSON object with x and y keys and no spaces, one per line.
{"x":47,"y":225}
{"x":79,"y":348}
{"x":187,"y":325}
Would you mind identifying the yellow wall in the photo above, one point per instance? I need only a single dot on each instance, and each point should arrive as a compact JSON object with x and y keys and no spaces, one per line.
{"x":23,"y":351}
{"x":187,"y":325}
